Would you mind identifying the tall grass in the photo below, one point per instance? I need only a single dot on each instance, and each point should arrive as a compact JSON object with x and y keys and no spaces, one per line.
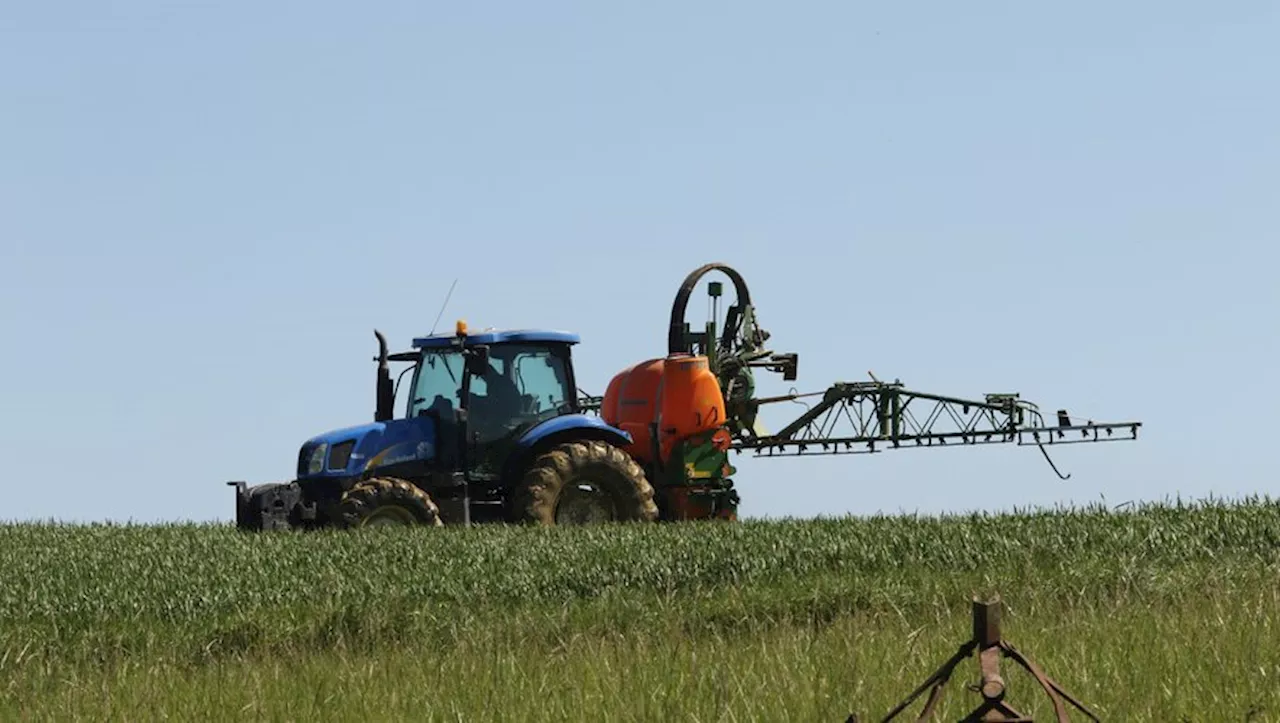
{"x":1139,"y":612}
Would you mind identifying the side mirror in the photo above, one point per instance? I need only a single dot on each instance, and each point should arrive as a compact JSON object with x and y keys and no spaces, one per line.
{"x":478,"y":360}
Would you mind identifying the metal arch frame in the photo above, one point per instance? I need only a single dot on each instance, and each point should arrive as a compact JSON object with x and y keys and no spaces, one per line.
{"x":677,"y":338}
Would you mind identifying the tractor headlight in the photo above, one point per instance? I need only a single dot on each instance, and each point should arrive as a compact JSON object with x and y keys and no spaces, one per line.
{"x":315,"y":465}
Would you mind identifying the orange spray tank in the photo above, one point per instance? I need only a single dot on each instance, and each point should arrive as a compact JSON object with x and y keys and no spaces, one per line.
{"x":678,"y":396}
{"x":674,"y":410}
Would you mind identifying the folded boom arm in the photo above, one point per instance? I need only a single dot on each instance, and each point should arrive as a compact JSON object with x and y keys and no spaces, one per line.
{"x":865,"y":417}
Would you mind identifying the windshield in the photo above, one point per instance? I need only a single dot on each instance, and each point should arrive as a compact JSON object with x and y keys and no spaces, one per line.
{"x":437,"y":382}
{"x":522,"y":385}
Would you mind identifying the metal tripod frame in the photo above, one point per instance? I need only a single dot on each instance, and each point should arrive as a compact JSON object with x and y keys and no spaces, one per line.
{"x":990,"y":647}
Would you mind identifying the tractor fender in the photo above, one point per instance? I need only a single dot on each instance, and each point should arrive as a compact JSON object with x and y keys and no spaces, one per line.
{"x":561,"y":429}
{"x":577,"y":426}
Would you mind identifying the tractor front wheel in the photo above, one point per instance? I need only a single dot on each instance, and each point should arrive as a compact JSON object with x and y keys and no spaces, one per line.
{"x":387,"y":501}
{"x":584,"y":482}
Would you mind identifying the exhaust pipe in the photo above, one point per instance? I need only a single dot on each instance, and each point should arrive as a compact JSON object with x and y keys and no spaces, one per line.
{"x":384,"y":391}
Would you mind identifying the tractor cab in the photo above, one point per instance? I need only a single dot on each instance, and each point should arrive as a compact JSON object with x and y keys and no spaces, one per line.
{"x":505,"y":383}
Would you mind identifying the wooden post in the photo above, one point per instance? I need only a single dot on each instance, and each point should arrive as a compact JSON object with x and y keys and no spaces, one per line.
{"x":986,"y":633}
{"x":986,"y":622}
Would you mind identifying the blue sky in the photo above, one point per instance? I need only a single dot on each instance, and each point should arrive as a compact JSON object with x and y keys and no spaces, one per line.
{"x":205,"y":209}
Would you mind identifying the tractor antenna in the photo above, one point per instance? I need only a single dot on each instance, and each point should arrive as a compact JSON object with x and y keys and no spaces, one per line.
{"x":442,"y":307}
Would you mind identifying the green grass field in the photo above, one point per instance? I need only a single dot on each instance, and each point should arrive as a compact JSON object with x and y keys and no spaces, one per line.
{"x":1164,"y":613}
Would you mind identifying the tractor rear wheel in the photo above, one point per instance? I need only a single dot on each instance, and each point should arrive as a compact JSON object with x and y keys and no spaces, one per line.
{"x":584,"y":482}
{"x":387,"y":501}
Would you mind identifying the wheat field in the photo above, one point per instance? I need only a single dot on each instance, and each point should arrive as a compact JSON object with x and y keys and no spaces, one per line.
{"x":1165,"y":612}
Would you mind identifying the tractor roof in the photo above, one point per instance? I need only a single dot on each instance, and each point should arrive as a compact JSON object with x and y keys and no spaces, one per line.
{"x":499,"y":337}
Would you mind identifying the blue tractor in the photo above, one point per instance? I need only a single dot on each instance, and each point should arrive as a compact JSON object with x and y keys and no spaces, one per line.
{"x":492,"y":431}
